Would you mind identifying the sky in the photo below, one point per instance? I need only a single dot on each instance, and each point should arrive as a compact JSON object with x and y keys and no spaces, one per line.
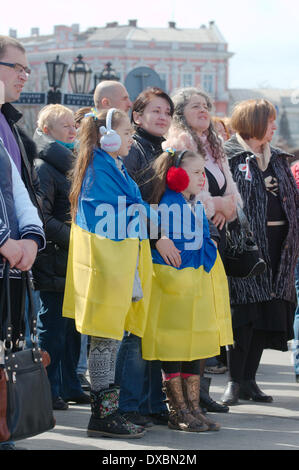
{"x":262,"y":34}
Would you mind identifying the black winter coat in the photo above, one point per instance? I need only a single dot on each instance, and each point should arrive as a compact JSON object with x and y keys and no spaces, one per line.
{"x":53,"y":165}
{"x":263,"y":288}
{"x":145,"y":149}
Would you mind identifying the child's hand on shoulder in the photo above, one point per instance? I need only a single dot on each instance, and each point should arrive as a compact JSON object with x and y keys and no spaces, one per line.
{"x":169,"y":252}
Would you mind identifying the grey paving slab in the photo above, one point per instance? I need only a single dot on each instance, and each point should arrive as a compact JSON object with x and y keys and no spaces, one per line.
{"x":248,"y":426}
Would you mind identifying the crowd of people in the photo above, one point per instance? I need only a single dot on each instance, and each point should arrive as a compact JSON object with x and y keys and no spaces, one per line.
{"x":139,"y":302}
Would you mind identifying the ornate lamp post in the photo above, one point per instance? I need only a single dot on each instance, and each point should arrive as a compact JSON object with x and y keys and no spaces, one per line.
{"x":56,"y":72}
{"x":108,"y":73}
{"x":80,"y":76}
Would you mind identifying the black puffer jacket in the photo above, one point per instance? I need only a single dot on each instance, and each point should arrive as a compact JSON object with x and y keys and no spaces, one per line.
{"x":145,"y":149}
{"x":263,"y":288}
{"x":52,"y":165}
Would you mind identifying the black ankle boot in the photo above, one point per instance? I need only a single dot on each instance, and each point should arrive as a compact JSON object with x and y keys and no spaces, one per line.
{"x":206,"y":401}
{"x":249,"y":390}
{"x":106,"y":419}
{"x":231,"y":393}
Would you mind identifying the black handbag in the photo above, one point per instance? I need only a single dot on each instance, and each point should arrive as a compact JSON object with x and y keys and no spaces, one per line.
{"x":29,"y":409}
{"x":241,"y":255}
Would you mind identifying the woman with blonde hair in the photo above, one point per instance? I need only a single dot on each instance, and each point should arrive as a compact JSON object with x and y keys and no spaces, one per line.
{"x":55,"y":138}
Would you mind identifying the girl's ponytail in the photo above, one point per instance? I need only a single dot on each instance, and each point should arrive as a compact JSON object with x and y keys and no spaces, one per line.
{"x":88,"y":138}
{"x":161,"y":166}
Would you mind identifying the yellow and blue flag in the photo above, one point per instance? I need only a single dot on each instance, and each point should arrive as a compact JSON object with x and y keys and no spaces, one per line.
{"x":108,"y":242}
{"x":189,"y":314}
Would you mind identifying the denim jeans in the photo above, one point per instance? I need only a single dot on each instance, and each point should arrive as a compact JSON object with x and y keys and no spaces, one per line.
{"x":296,"y":324}
{"x":140,"y":381}
{"x":36,"y":301}
{"x":59,"y":337}
{"x":82,"y":363}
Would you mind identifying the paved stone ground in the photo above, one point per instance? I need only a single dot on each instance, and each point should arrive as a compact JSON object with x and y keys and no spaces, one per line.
{"x":248,"y":426}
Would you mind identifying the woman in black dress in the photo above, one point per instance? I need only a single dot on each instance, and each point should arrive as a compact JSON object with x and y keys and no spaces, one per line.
{"x":262,"y":306}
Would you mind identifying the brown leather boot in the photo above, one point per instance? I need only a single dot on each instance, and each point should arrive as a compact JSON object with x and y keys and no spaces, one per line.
{"x":191,"y":387}
{"x":180,"y":417}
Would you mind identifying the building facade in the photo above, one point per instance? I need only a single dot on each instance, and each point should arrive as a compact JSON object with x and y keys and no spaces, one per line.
{"x":286,"y":102}
{"x":181,"y":57}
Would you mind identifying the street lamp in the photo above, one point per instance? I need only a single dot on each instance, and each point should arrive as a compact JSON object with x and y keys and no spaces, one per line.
{"x":80,"y":76}
{"x":108,"y":73}
{"x":56,"y":72}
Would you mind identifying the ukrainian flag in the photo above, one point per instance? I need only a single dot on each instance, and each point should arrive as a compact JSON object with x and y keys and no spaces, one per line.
{"x":189,"y":314}
{"x":108,"y":241}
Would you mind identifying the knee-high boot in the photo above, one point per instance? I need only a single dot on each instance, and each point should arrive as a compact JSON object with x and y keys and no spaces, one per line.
{"x":191,"y":387}
{"x":180,"y":416}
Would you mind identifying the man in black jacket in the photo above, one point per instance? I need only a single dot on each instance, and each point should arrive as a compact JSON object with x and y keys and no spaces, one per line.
{"x":14,"y":73}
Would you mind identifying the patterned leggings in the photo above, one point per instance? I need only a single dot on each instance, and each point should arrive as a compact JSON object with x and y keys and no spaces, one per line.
{"x":101,"y":362}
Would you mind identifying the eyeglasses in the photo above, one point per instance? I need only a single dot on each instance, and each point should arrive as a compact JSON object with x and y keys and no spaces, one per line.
{"x":17,"y":67}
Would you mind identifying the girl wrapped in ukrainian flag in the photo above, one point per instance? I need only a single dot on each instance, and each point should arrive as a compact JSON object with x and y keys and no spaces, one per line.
{"x":189,"y":314}
{"x":109,"y":271}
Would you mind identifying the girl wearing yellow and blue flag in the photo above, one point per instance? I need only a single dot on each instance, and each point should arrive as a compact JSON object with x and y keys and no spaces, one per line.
{"x":189,"y":313}
{"x":109,"y":270}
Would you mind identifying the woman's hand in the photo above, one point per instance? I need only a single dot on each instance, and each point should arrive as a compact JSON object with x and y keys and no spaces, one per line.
{"x":219,"y":220}
{"x":229,"y":205}
{"x":226,"y":205}
{"x":169,"y":252}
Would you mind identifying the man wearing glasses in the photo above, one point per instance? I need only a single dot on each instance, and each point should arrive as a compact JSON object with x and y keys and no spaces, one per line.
{"x":14,"y":72}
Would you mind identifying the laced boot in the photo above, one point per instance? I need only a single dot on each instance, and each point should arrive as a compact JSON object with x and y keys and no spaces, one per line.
{"x":191,"y":387}
{"x":180,"y":417}
{"x":106,"y":420}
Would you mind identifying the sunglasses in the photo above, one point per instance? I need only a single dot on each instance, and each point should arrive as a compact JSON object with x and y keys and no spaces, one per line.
{"x":17,"y":67}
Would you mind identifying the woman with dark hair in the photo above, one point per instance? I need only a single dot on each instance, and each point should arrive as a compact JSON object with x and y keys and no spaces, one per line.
{"x":262,"y":306}
{"x":151,"y":117}
{"x":192,"y":129}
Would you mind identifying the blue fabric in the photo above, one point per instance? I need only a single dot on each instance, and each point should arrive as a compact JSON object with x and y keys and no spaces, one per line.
{"x":205,"y":255}
{"x":59,"y":337}
{"x":82,"y":366}
{"x":68,"y":145}
{"x":140,"y":381}
{"x":108,"y":200}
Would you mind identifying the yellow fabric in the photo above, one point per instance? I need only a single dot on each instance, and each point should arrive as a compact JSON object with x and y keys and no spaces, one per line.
{"x":99,"y":284}
{"x":189,"y":314}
